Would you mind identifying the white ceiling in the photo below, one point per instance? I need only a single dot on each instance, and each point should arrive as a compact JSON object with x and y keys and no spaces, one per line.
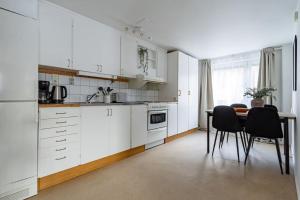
{"x":203,"y":28}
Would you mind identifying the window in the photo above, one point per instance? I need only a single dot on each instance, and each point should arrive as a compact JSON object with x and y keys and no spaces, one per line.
{"x":231,"y":75}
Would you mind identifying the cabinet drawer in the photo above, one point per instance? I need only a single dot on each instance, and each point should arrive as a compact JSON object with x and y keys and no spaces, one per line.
{"x":54,"y":113}
{"x":60,"y":150}
{"x":61,"y":140}
{"x":56,"y":164}
{"x":60,"y":122}
{"x":54,"y":132}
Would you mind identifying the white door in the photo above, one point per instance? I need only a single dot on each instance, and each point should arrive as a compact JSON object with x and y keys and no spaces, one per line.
{"x":18,"y":141}
{"x":94,"y":133}
{"x":27,"y":8}
{"x":193,"y":93}
{"x":172,"y":119}
{"x":87,"y":44}
{"x":110,"y":50}
{"x":119,"y":134}
{"x":162,"y":64}
{"x":139,"y":125}
{"x":55,"y":36}
{"x":129,"y":56}
{"x":18,"y":57}
{"x":183,"y":87}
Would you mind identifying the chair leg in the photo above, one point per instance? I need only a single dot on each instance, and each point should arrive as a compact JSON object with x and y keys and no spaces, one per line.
{"x":227,"y":136}
{"x":223,"y":138}
{"x":278,"y":154}
{"x":237,"y":146}
{"x":243,"y":143}
{"x":220,"y":141}
{"x":215,"y":142}
{"x":248,"y":149}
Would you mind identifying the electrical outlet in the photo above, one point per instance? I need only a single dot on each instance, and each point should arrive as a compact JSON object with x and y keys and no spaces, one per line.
{"x":71,"y":81}
{"x":55,"y":79}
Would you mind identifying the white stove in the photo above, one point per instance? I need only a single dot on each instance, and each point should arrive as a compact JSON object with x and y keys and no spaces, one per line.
{"x":157,"y":124}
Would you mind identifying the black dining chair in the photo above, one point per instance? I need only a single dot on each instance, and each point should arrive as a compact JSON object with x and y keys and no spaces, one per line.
{"x":264,"y":123}
{"x":226,"y":120}
{"x":242,"y":121}
{"x":238,"y":105}
{"x":271,"y":106}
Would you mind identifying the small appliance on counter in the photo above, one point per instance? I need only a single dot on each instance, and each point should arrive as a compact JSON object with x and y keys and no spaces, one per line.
{"x":44,"y":93}
{"x":58,"y":94}
{"x":119,"y":97}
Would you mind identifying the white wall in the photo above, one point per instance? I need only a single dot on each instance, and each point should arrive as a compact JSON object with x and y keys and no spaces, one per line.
{"x":296,"y":108}
{"x":286,"y":74}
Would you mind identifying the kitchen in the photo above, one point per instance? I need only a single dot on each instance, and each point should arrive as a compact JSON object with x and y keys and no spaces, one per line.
{"x":87,"y":95}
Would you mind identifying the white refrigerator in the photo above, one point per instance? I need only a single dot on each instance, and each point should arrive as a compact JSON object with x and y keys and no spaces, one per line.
{"x":18,"y":105}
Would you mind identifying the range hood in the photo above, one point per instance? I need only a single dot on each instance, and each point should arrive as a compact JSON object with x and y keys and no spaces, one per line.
{"x":140,"y":81}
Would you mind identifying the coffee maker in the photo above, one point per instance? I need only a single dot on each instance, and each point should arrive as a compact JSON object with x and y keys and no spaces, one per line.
{"x":44,"y":93}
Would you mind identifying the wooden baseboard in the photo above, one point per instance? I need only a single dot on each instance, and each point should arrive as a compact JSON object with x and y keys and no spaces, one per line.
{"x":60,"y":177}
{"x":180,"y":135}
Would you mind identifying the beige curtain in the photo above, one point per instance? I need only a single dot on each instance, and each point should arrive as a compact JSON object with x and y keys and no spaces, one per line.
{"x":206,"y":92}
{"x":266,"y":70}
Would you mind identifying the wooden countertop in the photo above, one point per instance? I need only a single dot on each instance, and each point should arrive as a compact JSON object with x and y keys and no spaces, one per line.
{"x":59,"y":105}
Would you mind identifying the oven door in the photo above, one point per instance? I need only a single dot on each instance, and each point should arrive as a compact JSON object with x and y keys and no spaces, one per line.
{"x":157,"y":119}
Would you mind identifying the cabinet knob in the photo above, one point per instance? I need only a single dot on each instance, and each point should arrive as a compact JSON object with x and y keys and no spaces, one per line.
{"x":179,"y":92}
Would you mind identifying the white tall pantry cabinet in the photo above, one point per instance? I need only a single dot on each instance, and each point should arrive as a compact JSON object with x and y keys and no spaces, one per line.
{"x":182,"y":86}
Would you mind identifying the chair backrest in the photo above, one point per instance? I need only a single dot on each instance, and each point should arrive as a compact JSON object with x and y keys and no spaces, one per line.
{"x":238,"y":105}
{"x":225,"y":119}
{"x":264,"y":122}
{"x":271,"y":106}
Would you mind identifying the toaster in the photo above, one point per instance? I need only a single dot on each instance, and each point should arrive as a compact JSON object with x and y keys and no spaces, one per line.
{"x":119,"y":97}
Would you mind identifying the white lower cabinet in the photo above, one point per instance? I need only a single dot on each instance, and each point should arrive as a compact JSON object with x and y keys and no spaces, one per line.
{"x":172,"y":119}
{"x":138,"y":125}
{"x":59,"y":140}
{"x":105,"y":130}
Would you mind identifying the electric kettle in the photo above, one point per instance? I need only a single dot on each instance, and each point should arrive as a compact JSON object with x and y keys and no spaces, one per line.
{"x":58,"y":94}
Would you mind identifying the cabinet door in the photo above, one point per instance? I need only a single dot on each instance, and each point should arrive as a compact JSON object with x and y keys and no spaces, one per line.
{"x":18,"y":57}
{"x":94,"y":133}
{"x":119,"y":134}
{"x":129,"y":66}
{"x":110,"y":50}
{"x":172,"y":119}
{"x":183,"y":98}
{"x":139,"y":125}
{"x":55,"y":36}
{"x":162,"y":64}
{"x":193,"y":93}
{"x":87,"y":44}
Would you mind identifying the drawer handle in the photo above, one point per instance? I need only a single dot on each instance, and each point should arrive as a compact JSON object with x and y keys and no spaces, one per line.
{"x":61,"y":158}
{"x":61,"y":122}
{"x":61,"y":131}
{"x":61,"y":149}
{"x":64,"y":140}
{"x":62,"y":113}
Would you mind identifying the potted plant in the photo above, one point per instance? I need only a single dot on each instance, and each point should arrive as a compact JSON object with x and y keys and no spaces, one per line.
{"x":258,"y":95}
{"x":144,"y":59}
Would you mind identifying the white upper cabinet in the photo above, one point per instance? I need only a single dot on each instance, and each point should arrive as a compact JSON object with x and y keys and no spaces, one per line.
{"x":96,"y":47}
{"x":162,"y":71}
{"x":55,"y":36}
{"x":28,"y":8}
{"x":193,"y":92}
{"x":87,"y":44}
{"x":129,"y":66}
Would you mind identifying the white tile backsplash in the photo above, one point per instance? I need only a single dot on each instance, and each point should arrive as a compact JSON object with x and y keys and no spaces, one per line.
{"x":79,"y":87}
